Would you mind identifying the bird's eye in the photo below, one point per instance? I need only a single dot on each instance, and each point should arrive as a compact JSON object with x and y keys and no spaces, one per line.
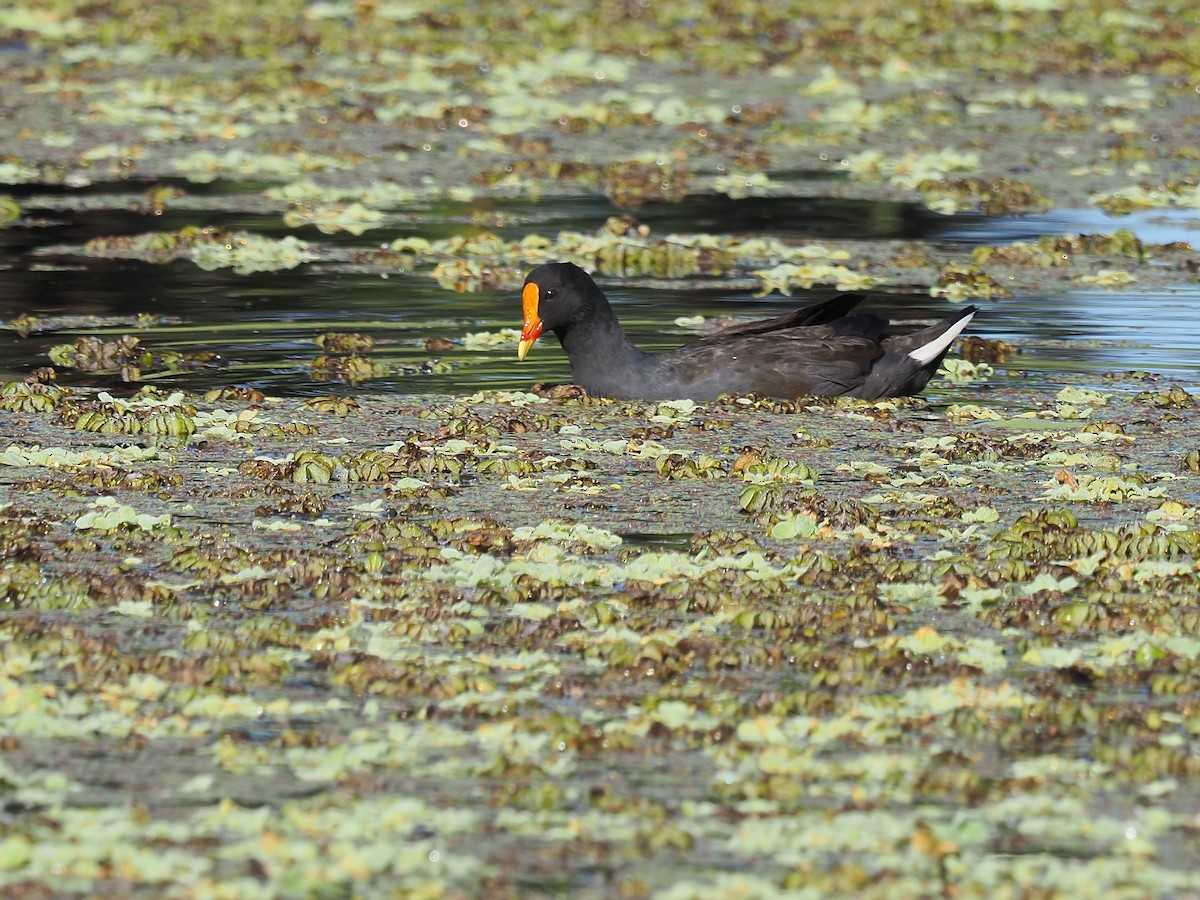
{"x":549,"y":295}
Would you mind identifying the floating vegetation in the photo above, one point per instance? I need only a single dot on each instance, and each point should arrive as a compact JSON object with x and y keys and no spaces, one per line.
{"x":353,"y":218}
{"x":616,"y":249}
{"x":630,"y":184}
{"x":1109,"y":278}
{"x":784,"y":278}
{"x":126,"y":357}
{"x":238,"y":163}
{"x":109,"y":515}
{"x":351,"y":368}
{"x":958,"y":284}
{"x":962,"y":371}
{"x":912,"y":170}
{"x":1185,"y":193}
{"x":342,"y":342}
{"x":10,"y":211}
{"x":995,"y":197}
{"x":513,"y":642}
{"x":1172,"y":398}
{"x":208,"y":248}
{"x":27,"y":397}
{"x":1062,"y":250}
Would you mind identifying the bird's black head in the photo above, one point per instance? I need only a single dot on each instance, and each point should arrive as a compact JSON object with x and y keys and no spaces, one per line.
{"x":556,"y":295}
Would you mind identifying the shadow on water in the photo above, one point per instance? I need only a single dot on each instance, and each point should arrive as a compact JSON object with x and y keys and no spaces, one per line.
{"x":263,"y":325}
{"x":807,"y":217}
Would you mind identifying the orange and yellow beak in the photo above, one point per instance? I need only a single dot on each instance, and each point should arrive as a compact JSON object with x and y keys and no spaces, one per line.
{"x":532,"y":328}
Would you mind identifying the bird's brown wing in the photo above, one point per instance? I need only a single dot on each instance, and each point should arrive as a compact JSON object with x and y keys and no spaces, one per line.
{"x":789,"y":363}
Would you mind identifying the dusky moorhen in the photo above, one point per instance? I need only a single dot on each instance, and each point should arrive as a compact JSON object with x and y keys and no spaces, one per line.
{"x":817,"y":349}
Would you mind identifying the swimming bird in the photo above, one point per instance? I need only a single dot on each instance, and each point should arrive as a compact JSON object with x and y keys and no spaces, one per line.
{"x":819,"y":349}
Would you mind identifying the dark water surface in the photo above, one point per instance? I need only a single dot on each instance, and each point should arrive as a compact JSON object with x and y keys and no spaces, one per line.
{"x":263,"y":325}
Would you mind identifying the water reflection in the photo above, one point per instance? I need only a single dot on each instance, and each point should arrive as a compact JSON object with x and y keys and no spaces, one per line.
{"x":1093,"y":331}
{"x":1153,"y":227}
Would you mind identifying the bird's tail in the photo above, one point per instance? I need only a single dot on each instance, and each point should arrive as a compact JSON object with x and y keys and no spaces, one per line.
{"x":930,"y":351}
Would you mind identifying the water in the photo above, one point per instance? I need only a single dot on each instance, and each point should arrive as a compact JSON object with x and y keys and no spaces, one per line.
{"x":262,"y":326}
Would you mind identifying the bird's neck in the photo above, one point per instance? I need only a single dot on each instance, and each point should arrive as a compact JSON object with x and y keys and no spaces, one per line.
{"x":600,"y":350}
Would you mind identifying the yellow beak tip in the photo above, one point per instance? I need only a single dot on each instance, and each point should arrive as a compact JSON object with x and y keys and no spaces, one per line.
{"x":523,"y":348}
